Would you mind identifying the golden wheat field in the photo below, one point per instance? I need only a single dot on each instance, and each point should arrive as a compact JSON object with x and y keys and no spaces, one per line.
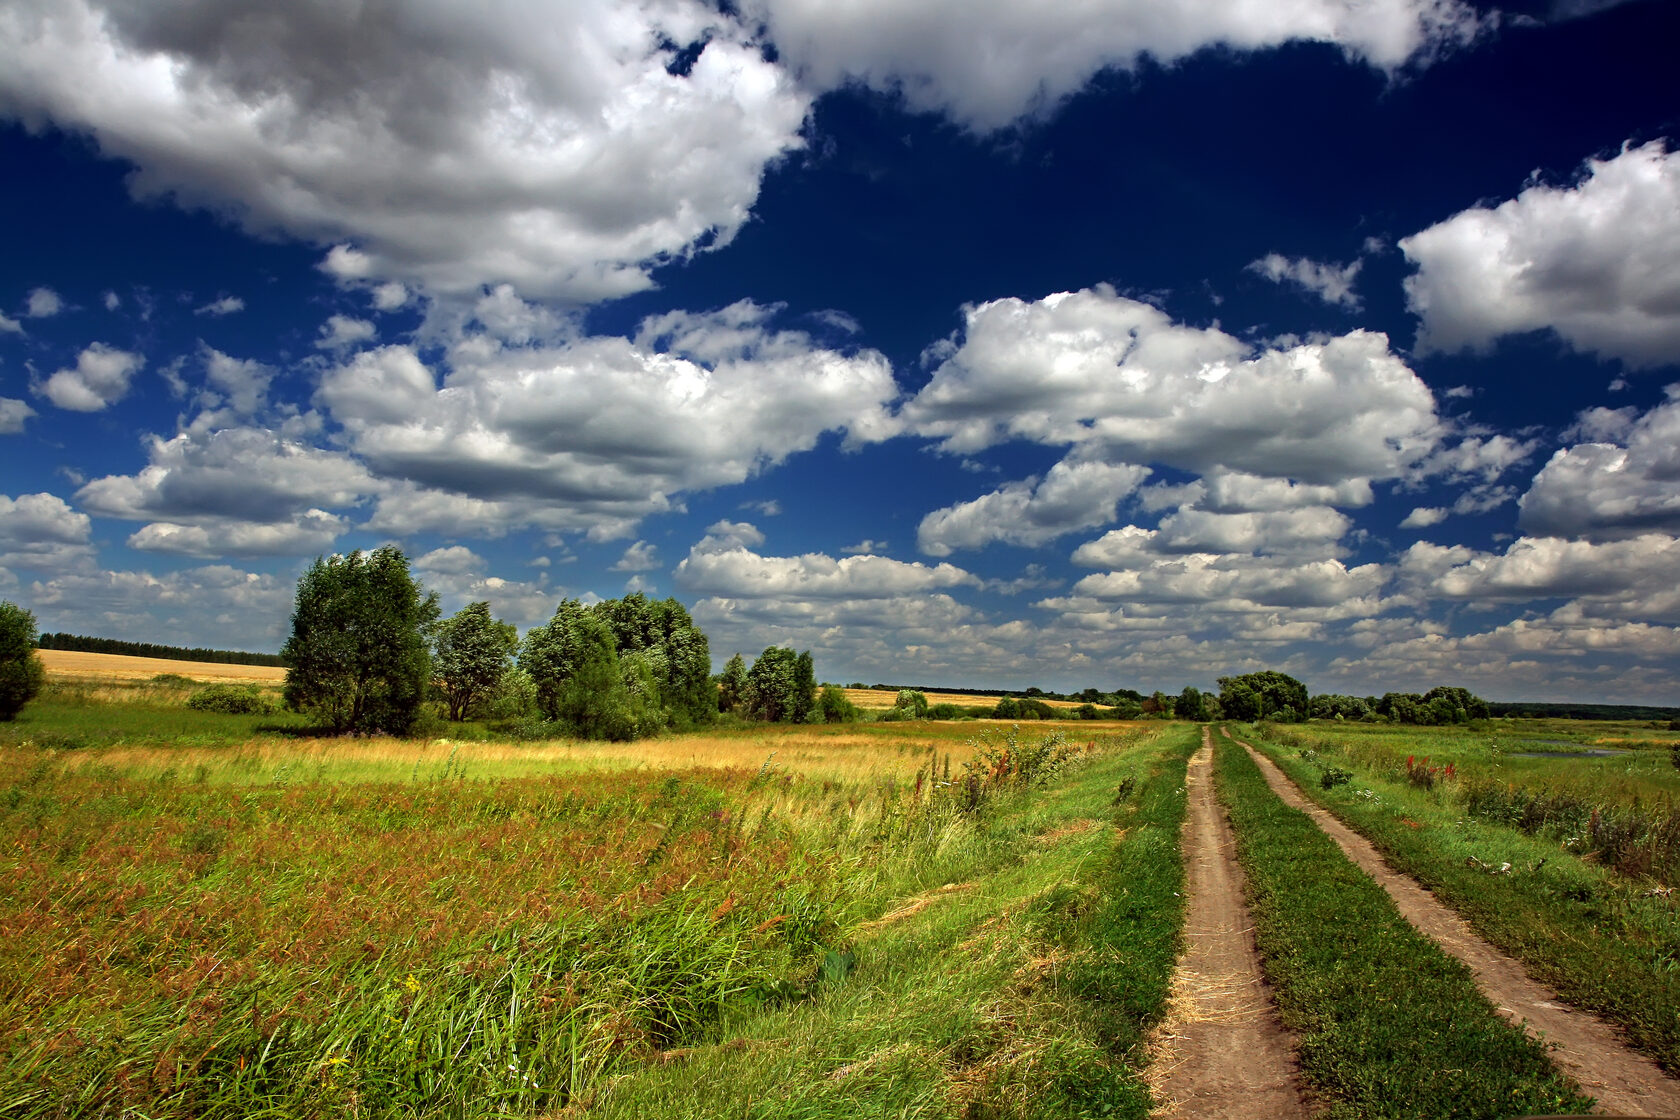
{"x":112,"y":666}
{"x":880,"y":698}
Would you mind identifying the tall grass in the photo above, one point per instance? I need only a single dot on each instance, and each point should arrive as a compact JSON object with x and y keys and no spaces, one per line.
{"x":310,"y":948}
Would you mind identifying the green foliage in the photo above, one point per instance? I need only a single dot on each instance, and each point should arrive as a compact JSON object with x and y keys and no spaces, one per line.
{"x":1265,"y":695}
{"x":833,"y":707}
{"x":231,"y":699}
{"x":781,"y":687}
{"x":732,"y":685}
{"x":1191,"y":705}
{"x":661,"y":658}
{"x":470,"y":652}
{"x":1010,"y":707}
{"x":914,"y":704}
{"x":1436,"y":708}
{"x":21,"y":673}
{"x":357,"y":650}
{"x":1331,"y":706}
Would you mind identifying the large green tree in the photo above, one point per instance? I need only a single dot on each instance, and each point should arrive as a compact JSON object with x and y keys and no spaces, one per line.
{"x":470,"y":652}
{"x":781,"y":686}
{"x":21,"y":672}
{"x":357,"y":657}
{"x":1264,"y":695}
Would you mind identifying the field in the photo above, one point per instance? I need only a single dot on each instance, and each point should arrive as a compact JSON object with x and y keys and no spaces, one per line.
{"x":212,"y":915}
{"x":110,"y":666}
{"x":877,"y":699}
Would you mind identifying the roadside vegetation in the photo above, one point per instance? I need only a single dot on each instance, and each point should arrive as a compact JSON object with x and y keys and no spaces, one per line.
{"x":1389,"y":1025}
{"x":275,"y":942}
{"x":1565,"y":863}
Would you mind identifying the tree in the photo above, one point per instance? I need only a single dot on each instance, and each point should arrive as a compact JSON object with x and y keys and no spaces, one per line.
{"x":732,"y":685}
{"x":781,"y":686}
{"x":1190,"y":704}
{"x":21,"y":672}
{"x":470,"y":652}
{"x":834,"y":707}
{"x":357,"y":654}
{"x":593,"y":700}
{"x":1265,"y":695}
{"x":911,"y":703}
{"x":550,"y":654}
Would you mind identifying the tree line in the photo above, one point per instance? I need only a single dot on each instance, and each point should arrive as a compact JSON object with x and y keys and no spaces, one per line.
{"x":81,"y":644}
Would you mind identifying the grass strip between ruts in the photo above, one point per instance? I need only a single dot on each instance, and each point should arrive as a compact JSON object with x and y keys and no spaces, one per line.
{"x":1570,"y":926}
{"x":1389,"y":1024}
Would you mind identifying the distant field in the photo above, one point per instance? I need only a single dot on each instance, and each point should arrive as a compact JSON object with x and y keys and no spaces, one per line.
{"x":71,"y":663}
{"x":877,"y":698}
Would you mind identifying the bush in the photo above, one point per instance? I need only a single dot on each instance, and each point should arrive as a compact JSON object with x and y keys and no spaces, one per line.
{"x":833,"y":707}
{"x":21,"y":671}
{"x":232,"y":700}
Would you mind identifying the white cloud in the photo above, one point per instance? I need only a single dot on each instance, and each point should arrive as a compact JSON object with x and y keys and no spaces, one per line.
{"x":865,"y":547}
{"x":43,"y":303}
{"x":41,"y":531}
{"x":445,"y":147}
{"x":1625,"y":483}
{"x":724,"y":566}
{"x":10,"y":326}
{"x":99,"y":379}
{"x":390,"y":296}
{"x":112,"y":301}
{"x":1595,"y":262}
{"x":13,"y":414}
{"x":193,"y":607}
{"x":1193,"y":530}
{"x":1332,"y":283}
{"x":1631,"y":578}
{"x":1237,"y":492}
{"x":226,"y":305}
{"x":342,"y":331}
{"x":456,"y":560}
{"x":243,"y":490}
{"x":987,"y":62}
{"x":1424,"y":516}
{"x":597,"y":433}
{"x":239,"y":383}
{"x":639,"y":557}
{"x":1120,"y":380}
{"x":1072,"y":496}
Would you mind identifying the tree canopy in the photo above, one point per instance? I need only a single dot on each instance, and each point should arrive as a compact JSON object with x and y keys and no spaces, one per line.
{"x":357,"y":653}
{"x":1265,"y":695}
{"x":470,"y":652}
{"x":21,"y":672}
{"x":781,"y":686}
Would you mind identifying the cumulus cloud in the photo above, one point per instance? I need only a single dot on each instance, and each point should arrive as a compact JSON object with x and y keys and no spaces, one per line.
{"x":1196,"y":530}
{"x":241,"y":490}
{"x":597,"y":433}
{"x":13,"y":414}
{"x":43,"y":303}
{"x":988,"y":62}
{"x":1625,"y":483}
{"x":1071,"y":496}
{"x":1594,"y":262}
{"x":1117,"y":378}
{"x":340,"y":332}
{"x":561,"y":151}
{"x":639,"y":557}
{"x":1423,"y":517}
{"x":41,"y":531}
{"x":226,"y":305}
{"x":1628,"y":579}
{"x":99,"y":379}
{"x":724,"y":565}
{"x":10,"y":326}
{"x":865,"y":547}
{"x":1332,"y":283}
{"x":455,"y":560}
{"x":192,"y":607}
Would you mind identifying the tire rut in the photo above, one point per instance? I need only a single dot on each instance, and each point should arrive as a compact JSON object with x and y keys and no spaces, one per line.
{"x":1587,"y":1048}
{"x":1222,"y":1054}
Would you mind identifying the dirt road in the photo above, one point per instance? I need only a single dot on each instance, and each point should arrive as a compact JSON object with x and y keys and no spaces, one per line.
{"x":1221,"y":1054}
{"x":1625,"y":1082}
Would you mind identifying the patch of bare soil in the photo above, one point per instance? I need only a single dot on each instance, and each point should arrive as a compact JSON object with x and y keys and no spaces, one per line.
{"x":1222,"y":1053}
{"x":1587,"y":1048}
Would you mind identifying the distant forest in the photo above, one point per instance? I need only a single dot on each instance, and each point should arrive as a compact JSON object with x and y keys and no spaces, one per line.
{"x":1544,"y":710}
{"x":81,"y":644}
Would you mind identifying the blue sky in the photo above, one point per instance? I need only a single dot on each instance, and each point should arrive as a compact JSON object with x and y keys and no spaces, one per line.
{"x":1124,"y":344}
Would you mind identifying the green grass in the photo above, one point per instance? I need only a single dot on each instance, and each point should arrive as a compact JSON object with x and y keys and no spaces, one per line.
{"x":1025,"y":990}
{"x":1389,"y":1025}
{"x":1602,"y":940}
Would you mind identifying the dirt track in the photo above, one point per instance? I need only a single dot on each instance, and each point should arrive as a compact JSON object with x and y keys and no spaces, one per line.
{"x":1222,"y":1052}
{"x":1625,"y":1082}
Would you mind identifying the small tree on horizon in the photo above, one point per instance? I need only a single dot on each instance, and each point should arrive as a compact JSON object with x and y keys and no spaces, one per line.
{"x":21,"y":671}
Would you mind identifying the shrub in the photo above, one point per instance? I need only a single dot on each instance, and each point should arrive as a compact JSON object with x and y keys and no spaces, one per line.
{"x":833,"y":707}
{"x":232,"y":700}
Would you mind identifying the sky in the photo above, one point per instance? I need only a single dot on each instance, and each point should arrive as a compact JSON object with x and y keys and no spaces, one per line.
{"x":975,"y":343}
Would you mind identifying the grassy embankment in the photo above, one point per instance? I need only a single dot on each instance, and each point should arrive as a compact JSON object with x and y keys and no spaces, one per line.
{"x":1389,"y":1025}
{"x":349,"y":928}
{"x":1604,"y":939}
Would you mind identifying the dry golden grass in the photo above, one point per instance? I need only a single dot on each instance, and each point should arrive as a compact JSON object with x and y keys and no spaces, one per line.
{"x":113,"y":666}
{"x":875,"y":699}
